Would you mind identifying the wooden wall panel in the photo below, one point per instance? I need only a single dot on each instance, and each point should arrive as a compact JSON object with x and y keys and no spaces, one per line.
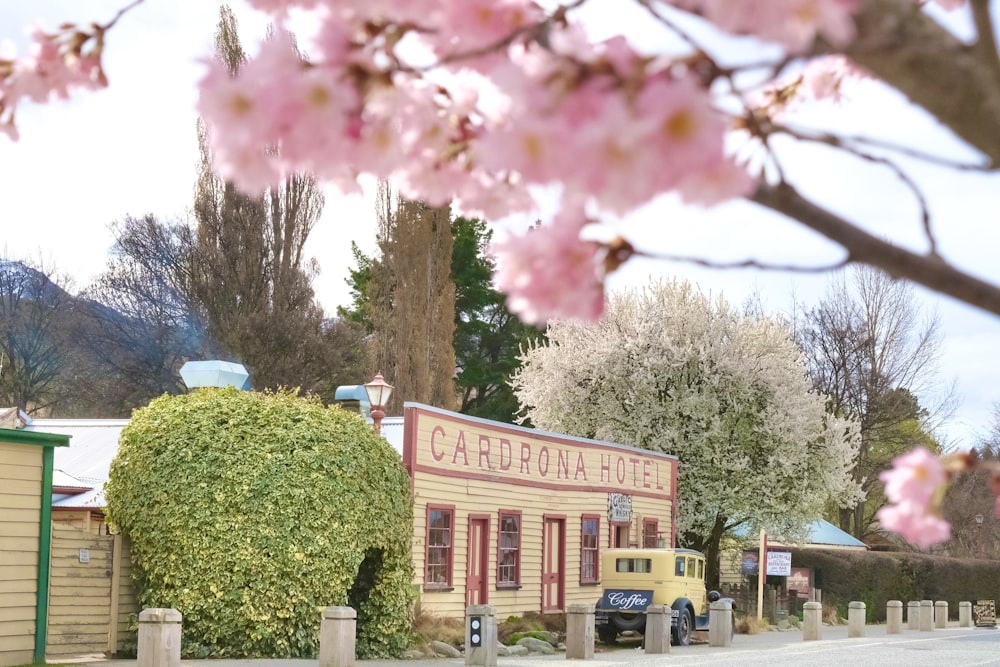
{"x":20,"y":516}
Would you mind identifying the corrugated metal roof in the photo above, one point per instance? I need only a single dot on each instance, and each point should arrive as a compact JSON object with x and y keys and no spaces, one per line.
{"x":93,"y":443}
{"x":824,"y":532}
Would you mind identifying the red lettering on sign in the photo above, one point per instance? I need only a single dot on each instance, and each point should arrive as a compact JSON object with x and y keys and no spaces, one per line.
{"x":659,"y":487}
{"x":505,"y":457}
{"x":562,"y":464}
{"x":605,"y":467}
{"x":645,"y":474}
{"x":580,"y":467}
{"x":525,"y":458}
{"x":460,"y":447}
{"x":635,"y":471}
{"x":543,"y":466}
{"x":620,"y":470}
{"x":437,"y":430}
{"x":484,"y":453}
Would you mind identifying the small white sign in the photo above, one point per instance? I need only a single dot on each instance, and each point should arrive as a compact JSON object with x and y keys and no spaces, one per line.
{"x":619,"y":507}
{"x":779,"y":563}
{"x":84,"y":555}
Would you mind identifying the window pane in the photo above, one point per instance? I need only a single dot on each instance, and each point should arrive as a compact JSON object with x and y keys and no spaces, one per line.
{"x":679,"y":567}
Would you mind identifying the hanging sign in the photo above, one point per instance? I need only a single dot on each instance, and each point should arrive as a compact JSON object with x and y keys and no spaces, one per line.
{"x":619,"y":507}
{"x":984,"y":613}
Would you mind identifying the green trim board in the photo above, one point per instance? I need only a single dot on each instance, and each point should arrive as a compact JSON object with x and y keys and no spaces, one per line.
{"x":48,"y":441}
{"x":18,"y":437}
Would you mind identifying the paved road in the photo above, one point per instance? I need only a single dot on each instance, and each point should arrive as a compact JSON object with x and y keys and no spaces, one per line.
{"x":954,"y":647}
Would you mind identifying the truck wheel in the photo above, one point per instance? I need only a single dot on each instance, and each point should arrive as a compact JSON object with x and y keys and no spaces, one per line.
{"x":684,"y":629}
{"x":607,"y":635}
{"x":624,"y":620}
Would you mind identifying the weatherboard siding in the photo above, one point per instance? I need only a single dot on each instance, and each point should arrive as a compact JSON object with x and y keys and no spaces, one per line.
{"x":20,"y":515}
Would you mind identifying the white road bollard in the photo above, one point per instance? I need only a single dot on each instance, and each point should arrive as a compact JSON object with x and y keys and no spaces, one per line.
{"x":579,"y":632}
{"x":965,"y":614}
{"x":481,"y":635}
{"x":812,"y":621}
{"x":720,"y":623}
{"x":159,"y":638}
{"x":856,"y":619}
{"x":658,"y":628}
{"x":913,"y":615}
{"x":926,"y":615}
{"x":940,"y":614}
{"x":893,"y":617}
{"x":337,"y":637}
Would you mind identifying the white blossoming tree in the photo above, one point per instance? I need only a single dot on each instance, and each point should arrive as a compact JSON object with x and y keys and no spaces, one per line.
{"x":673,"y":370}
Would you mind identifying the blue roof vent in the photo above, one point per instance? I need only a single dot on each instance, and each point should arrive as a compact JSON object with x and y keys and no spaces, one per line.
{"x":349,"y":395}
{"x":214,"y":374}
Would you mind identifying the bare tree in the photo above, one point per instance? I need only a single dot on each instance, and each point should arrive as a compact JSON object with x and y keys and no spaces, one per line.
{"x":875,"y":355}
{"x":247,"y":266}
{"x":145,"y":323}
{"x":33,"y":314}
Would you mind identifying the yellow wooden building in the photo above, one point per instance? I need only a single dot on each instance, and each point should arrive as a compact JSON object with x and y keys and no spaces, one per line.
{"x":26,"y":466}
{"x":516,"y":518}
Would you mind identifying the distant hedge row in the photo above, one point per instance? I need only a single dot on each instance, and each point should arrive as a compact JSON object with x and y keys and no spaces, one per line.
{"x":875,"y":577}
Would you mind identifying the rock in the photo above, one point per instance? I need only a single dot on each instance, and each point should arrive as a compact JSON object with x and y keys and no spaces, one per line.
{"x":550,"y":637}
{"x":536,"y":645}
{"x":517,"y":650}
{"x":413,"y":654}
{"x":445,"y":650}
{"x":502,"y":649}
{"x":560,"y":646}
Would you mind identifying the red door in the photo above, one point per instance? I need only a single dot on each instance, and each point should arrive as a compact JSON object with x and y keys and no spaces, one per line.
{"x":476,"y":581}
{"x":553,"y":563}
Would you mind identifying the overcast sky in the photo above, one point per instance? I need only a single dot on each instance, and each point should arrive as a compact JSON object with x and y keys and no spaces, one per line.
{"x":131,"y":150}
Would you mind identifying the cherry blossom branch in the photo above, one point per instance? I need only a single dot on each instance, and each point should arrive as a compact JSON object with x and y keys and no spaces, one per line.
{"x":910,"y":51}
{"x":930,"y":271}
{"x":121,"y":12}
{"x":986,"y":44}
{"x":740,"y":264}
{"x":849,"y":141}
{"x":831,"y":140}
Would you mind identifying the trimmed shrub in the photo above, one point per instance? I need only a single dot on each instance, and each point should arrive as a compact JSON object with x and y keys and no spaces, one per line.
{"x":875,"y":577}
{"x":251,"y":512}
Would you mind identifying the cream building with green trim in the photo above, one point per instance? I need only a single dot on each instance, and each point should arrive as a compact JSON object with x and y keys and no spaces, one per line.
{"x":26,"y":465}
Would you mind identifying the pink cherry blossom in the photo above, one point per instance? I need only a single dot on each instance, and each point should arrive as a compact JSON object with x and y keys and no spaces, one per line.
{"x":549,"y":272}
{"x":915,"y":523}
{"x":914,"y":477}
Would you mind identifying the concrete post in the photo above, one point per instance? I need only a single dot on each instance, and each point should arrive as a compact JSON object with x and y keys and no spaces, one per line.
{"x":812,"y":621}
{"x":940,"y":614}
{"x":913,"y":615}
{"x":159,"y":638}
{"x":856,"y":619}
{"x":965,"y":614}
{"x":482,"y":619}
{"x":337,"y":631}
{"x":893,"y":617}
{"x":658,"y":628}
{"x":720,"y":623}
{"x":579,"y":632}
{"x":926,"y":615}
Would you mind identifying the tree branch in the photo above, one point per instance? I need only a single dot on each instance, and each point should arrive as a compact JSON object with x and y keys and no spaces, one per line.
{"x":958,"y":84}
{"x":930,"y":271}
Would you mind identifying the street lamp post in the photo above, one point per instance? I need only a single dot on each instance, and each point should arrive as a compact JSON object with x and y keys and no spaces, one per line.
{"x":979,"y":534}
{"x":378,"y":391}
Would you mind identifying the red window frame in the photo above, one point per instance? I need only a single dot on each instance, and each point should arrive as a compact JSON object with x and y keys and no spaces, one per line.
{"x":448,"y":549}
{"x":501,"y":565}
{"x":593,"y":550}
{"x":650,"y":533}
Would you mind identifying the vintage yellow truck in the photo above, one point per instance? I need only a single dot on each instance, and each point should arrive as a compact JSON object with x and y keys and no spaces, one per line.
{"x":634,"y":579}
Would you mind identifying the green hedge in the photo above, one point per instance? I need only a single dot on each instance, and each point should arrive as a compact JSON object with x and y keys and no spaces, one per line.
{"x":251,"y":512}
{"x":875,"y":577}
